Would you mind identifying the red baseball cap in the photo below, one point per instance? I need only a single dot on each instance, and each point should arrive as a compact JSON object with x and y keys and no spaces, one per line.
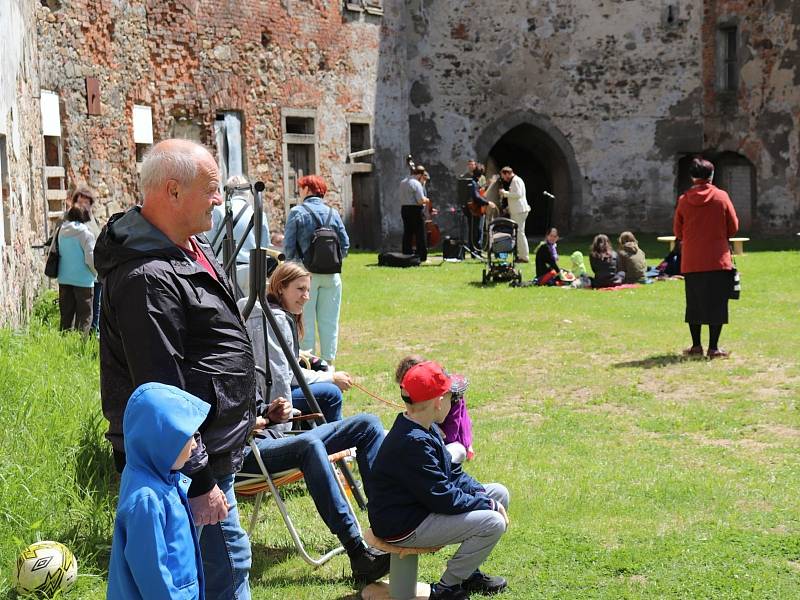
{"x":425,"y":381}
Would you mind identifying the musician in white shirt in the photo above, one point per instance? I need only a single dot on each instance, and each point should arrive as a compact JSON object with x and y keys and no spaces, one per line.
{"x":513,"y":190}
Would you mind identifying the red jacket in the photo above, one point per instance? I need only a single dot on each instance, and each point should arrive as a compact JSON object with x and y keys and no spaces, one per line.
{"x":704,"y":220}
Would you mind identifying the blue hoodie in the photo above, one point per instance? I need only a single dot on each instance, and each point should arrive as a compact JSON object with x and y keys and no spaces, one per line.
{"x":155,"y":553}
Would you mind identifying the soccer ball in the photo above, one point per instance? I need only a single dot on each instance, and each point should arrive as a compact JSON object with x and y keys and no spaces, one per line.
{"x":45,"y":568}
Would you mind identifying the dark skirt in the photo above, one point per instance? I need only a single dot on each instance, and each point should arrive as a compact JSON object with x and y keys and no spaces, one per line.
{"x":707,"y":296}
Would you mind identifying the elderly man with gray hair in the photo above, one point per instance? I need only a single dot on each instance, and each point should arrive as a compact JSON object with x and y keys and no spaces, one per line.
{"x":169,"y":316}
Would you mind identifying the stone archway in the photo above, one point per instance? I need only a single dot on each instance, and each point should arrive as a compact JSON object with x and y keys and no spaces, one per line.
{"x":537,"y":151}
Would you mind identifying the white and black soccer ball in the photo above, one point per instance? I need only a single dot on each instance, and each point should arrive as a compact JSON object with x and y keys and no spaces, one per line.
{"x":45,"y":568}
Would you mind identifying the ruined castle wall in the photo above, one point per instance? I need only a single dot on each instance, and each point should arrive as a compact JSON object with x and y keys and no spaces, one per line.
{"x":23,"y":221}
{"x":621,"y":80}
{"x":760,"y":118}
{"x":189,"y":60}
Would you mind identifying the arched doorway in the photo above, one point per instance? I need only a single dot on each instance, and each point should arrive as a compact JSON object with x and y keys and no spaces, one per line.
{"x":541,"y":155}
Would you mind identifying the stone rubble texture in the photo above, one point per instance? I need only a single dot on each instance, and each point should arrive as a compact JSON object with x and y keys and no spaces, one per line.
{"x":608,"y":95}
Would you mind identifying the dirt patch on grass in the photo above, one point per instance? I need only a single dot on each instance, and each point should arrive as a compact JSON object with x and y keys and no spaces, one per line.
{"x":508,"y":407}
{"x":606,"y":408}
{"x":744,"y":443}
{"x":783,"y":432}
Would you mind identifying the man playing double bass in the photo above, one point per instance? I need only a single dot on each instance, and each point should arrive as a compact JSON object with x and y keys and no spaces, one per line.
{"x":413,"y":201}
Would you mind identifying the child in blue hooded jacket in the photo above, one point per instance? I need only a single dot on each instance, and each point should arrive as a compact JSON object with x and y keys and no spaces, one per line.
{"x":155,"y":552}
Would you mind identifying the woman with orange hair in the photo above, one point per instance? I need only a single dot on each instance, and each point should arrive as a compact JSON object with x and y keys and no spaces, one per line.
{"x":322,"y":310}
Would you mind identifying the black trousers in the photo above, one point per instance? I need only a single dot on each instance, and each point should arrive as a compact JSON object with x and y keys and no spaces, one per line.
{"x":414,"y":228}
{"x":75,"y":305}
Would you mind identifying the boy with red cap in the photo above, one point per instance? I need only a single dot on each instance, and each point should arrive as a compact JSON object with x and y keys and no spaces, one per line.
{"x":420,"y":499}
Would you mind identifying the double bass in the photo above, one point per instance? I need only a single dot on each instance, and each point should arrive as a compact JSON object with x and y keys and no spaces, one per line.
{"x":433,"y":234}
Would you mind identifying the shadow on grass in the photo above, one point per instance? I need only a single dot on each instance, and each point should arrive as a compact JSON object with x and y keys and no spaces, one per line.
{"x":655,"y":361}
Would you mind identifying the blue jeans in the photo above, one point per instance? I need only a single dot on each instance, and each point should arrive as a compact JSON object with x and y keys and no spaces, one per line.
{"x":322,"y":312}
{"x":328,"y":396}
{"x":308,"y":451}
{"x":225,"y":548}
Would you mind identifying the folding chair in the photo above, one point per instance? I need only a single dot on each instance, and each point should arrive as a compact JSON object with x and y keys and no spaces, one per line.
{"x":259,"y":484}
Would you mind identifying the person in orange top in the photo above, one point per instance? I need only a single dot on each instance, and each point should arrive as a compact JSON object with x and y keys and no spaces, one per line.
{"x":704,"y":220}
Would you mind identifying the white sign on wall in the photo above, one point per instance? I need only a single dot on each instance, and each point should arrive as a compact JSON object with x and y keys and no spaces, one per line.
{"x":51,"y":114}
{"x":142,"y":125}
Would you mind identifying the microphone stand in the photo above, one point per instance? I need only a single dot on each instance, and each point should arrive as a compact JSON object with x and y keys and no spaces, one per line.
{"x":258,"y":292}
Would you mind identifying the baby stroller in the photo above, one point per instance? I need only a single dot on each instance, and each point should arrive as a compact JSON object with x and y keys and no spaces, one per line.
{"x":502,"y":252}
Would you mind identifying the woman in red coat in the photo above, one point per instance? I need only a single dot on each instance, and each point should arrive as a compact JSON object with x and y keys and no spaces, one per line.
{"x":704,"y":220}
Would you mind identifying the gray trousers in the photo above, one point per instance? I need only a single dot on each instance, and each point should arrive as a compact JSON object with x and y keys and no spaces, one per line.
{"x":477,"y":531}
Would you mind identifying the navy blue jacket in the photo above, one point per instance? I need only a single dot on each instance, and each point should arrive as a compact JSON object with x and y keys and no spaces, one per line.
{"x":155,"y":552}
{"x":413,"y":477}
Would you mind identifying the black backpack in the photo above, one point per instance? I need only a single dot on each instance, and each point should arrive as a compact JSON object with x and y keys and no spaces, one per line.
{"x":324,"y":253}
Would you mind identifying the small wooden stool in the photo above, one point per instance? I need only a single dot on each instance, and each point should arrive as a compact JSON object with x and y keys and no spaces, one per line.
{"x":738,"y":244}
{"x":403,"y":571}
{"x":668,"y":238}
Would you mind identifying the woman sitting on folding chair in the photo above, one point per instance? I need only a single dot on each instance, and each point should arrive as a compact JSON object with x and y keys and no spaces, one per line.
{"x":309,"y":450}
{"x":289,"y":289}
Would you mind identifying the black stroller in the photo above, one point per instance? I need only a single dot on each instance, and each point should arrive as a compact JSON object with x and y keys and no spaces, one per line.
{"x":502,"y":252}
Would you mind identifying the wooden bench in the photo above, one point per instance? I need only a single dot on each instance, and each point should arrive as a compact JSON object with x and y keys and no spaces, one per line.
{"x":667,"y":238}
{"x":403,"y":573}
{"x":738,"y":244}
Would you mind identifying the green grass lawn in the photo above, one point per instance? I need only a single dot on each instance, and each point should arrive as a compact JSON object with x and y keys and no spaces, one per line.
{"x":633,"y":473}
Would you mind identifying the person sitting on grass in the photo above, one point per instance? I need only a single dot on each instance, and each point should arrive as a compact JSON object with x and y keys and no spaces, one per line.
{"x":631,"y":258}
{"x":457,"y":426}
{"x":547,"y":269}
{"x":155,"y":551}
{"x":605,"y":263}
{"x":419,"y":500}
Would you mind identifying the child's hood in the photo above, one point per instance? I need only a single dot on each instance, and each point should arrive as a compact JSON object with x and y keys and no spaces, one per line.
{"x":629,"y":248}
{"x":159,"y":420}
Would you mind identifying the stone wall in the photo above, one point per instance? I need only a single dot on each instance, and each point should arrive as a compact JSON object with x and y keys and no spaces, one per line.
{"x":760,"y":119}
{"x":600,"y":100}
{"x":23,"y":220}
{"x":189,"y":59}
{"x":611,"y":88}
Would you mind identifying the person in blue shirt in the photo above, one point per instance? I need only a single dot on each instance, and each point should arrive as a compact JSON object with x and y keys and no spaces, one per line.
{"x":322,"y":310}
{"x":155,"y":552}
{"x":76,"y":272}
{"x":419,"y":499}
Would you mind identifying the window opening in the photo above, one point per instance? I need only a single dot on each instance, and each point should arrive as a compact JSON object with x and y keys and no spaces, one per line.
{"x":300,"y":125}
{"x":300,"y":151}
{"x":730,"y":62}
{"x":230,"y":150}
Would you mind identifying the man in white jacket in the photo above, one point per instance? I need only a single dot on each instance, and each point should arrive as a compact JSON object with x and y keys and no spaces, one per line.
{"x":518,"y":208}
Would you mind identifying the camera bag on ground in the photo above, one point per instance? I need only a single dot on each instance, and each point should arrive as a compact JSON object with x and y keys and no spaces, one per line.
{"x":397,"y":259}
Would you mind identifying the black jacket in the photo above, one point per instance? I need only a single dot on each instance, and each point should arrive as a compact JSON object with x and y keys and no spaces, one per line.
{"x":165,"y":319}
{"x":605,"y":270}
{"x":544,"y":260}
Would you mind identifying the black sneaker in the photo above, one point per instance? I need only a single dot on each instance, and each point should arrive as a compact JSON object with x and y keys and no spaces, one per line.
{"x":369,"y":564}
{"x":448,"y":592}
{"x":481,"y":583}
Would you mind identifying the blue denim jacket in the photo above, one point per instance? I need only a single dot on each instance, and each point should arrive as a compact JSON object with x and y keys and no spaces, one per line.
{"x":300,"y":228}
